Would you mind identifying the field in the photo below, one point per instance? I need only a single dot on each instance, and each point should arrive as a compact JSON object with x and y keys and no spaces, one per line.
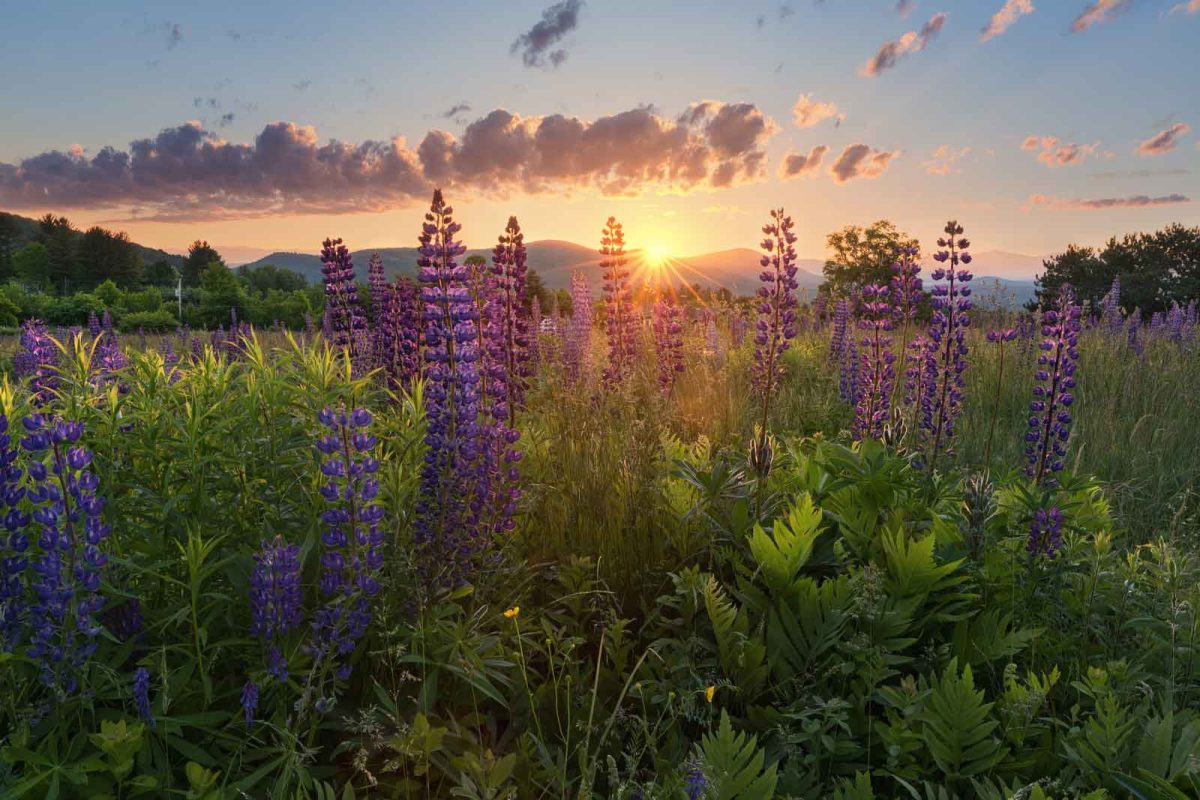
{"x":304,"y":564}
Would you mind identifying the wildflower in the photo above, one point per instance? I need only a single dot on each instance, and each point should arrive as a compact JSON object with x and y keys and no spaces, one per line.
{"x":1110,"y":308}
{"x":877,"y":372}
{"x":577,"y":343}
{"x":344,"y":319}
{"x":14,"y":543}
{"x":618,"y":303}
{"x":709,"y":693}
{"x":694,"y":782}
{"x":38,"y":361}
{"x":776,"y":325}
{"x":947,"y":351}
{"x":249,"y":702}
{"x":1045,"y":532}
{"x":275,"y":599}
{"x":1050,"y":415}
{"x":508,"y":269}
{"x":512,"y":612}
{"x":668,"y":342}
{"x":141,"y":694}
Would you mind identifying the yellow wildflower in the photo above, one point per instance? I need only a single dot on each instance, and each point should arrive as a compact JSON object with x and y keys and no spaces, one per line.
{"x":512,"y":612}
{"x":709,"y":692}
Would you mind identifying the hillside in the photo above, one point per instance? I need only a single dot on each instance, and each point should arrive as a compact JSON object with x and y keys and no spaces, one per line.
{"x":27,"y":230}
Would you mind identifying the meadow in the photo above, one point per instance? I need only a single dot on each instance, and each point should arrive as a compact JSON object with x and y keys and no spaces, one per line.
{"x":745,"y":550}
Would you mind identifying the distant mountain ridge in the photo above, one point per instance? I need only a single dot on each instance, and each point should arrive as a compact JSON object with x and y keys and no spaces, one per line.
{"x":27,"y":231}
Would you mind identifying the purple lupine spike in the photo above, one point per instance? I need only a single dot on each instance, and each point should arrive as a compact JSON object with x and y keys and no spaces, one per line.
{"x":695,"y":784}
{"x":1045,"y":532}
{"x":14,"y":542}
{"x":408,"y":330}
{"x":577,"y":344}
{"x":1050,"y":409}
{"x":509,"y":273}
{"x":916,"y":376}
{"x":535,"y":335}
{"x":850,"y":370}
{"x":1110,"y":309}
{"x":712,"y":342}
{"x":344,"y":318}
{"x":141,"y":694}
{"x":837,"y":340}
{"x":38,"y":361}
{"x":451,"y":396}
{"x":93,"y":325}
{"x":67,"y":568}
{"x":276,"y":605}
{"x":618,"y":304}
{"x":249,"y":703}
{"x":951,"y":303}
{"x":668,"y":342}
{"x":737,"y":330}
{"x":107,"y":358}
{"x":776,"y":325}
{"x":877,"y":362}
{"x":352,"y":542}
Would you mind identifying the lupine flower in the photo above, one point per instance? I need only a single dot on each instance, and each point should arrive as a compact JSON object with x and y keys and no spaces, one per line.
{"x":276,"y":605}
{"x":668,"y":342}
{"x":38,"y":361}
{"x":344,"y":318}
{"x":451,"y":398}
{"x":947,"y":353}
{"x":1045,"y":532}
{"x":694,"y":782}
{"x":535,"y":336}
{"x":141,"y":694}
{"x":905,"y":286}
{"x":577,"y":344}
{"x":1110,"y":308}
{"x":14,"y":543}
{"x":712,"y":344}
{"x":917,"y":378}
{"x":837,"y":341}
{"x":249,"y":703}
{"x":67,"y":568}
{"x":848,"y":371}
{"x":618,"y":303}
{"x":352,"y":542}
{"x":776,"y":325}
{"x":1050,"y":409}
{"x":508,"y":270}
{"x":877,"y":362}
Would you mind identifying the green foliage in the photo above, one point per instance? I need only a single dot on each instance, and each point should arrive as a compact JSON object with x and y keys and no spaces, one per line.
{"x":733,"y":765}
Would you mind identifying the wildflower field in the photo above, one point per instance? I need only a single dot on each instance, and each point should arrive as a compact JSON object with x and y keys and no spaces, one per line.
{"x":881,"y":545}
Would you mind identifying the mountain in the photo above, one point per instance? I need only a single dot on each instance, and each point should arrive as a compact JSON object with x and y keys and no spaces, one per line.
{"x":555,"y":260}
{"x":27,"y":231}
{"x":1013,"y":266}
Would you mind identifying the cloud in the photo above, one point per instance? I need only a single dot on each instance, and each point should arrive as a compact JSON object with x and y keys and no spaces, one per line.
{"x":1056,"y":153}
{"x":1142,"y":173}
{"x":190,"y":173}
{"x":535,"y":45}
{"x":1000,"y":22}
{"x":797,"y":164}
{"x":861,"y":161}
{"x":1134,"y":201}
{"x":1164,"y":141}
{"x":808,"y":112}
{"x":1190,"y":7}
{"x":456,"y":109}
{"x":226,"y":120}
{"x":726,"y":211}
{"x":911,"y":42}
{"x":905,"y":7}
{"x":1097,"y":12}
{"x":944,"y":159}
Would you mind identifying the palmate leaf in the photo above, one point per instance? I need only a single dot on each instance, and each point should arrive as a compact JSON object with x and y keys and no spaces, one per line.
{"x":957,"y":726}
{"x":781,"y":553}
{"x":733,"y":765}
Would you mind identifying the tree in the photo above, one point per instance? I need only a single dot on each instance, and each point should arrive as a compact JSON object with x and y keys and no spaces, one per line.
{"x":220,"y":293}
{"x":32,"y":265}
{"x":199,"y":256}
{"x":58,"y":235}
{"x":160,"y":273}
{"x":534,"y":287}
{"x":10,"y":234}
{"x":267,"y":277}
{"x":863,"y":256}
{"x":104,"y":255}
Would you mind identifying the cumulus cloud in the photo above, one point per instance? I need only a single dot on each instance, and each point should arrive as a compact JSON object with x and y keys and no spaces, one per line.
{"x":1163,"y":141}
{"x":1190,"y":7}
{"x":797,"y":164}
{"x":944,"y":159}
{"x":1000,"y":22}
{"x":911,"y":42}
{"x":1056,"y":153}
{"x":188,"y":172}
{"x":861,"y":161}
{"x":537,"y":45}
{"x":1097,"y":12}
{"x":1100,"y":203}
{"x":808,"y":112}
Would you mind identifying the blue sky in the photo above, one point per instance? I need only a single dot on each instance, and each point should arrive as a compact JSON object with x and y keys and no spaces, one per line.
{"x":946,"y":122}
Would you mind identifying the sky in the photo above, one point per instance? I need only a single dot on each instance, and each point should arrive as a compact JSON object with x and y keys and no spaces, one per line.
{"x":271,"y":125}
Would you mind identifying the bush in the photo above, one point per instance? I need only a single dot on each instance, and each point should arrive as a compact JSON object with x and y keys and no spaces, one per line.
{"x":152,"y":321}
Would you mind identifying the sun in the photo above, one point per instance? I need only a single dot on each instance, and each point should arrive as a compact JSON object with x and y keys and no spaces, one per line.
{"x":657,"y":254}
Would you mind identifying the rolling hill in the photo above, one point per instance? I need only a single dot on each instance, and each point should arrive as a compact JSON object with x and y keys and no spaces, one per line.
{"x":27,"y":230}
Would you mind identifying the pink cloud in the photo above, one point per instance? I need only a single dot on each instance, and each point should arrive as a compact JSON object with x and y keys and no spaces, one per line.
{"x":1101,"y":203}
{"x":808,"y":112}
{"x":911,"y":42}
{"x":1190,"y":7}
{"x":1163,"y":141}
{"x":1000,"y":22}
{"x":944,"y":159}
{"x":1057,"y":153}
{"x":1097,"y":12}
{"x":797,"y":164}
{"x":861,"y":161}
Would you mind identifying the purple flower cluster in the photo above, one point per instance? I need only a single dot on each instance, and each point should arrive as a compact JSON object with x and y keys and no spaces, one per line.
{"x":38,"y":361}
{"x":618,"y":303}
{"x":946,"y":355}
{"x":905,"y":286}
{"x":1045,"y":532}
{"x":1111,"y":319}
{"x":668,"y":342}
{"x":66,"y":583}
{"x":276,"y":605}
{"x":344,"y":319}
{"x":1050,"y":409}
{"x":877,"y":364}
{"x":13,"y":541}
{"x":249,"y":703}
{"x":577,"y":341}
{"x":508,"y":271}
{"x":776,"y":325}
{"x":352,"y":542}
{"x":141,"y":694}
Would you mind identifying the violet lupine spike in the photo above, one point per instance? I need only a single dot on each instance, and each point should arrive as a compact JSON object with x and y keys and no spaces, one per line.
{"x":951,"y":302}
{"x":451,"y":397}
{"x":917,"y":376}
{"x":618,"y":300}
{"x":776,"y":306}
{"x":1050,"y":409}
{"x":712,"y":342}
{"x":141,"y":695}
{"x":877,"y":361}
{"x":67,"y":567}
{"x":1110,"y":309}
{"x":668,"y":342}
{"x":509,"y":272}
{"x":344,"y":319}
{"x":837,"y":340}
{"x":535,"y":336}
{"x":249,"y":703}
{"x":14,"y":541}
{"x":38,"y":361}
{"x":1045,"y":532}
{"x":849,"y":369}
{"x":577,"y":342}
{"x":352,"y":542}
{"x":276,"y":605}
